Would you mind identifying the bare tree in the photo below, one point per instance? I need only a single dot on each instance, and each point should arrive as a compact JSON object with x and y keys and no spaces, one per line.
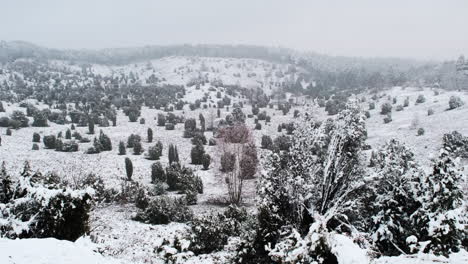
{"x":237,"y":143}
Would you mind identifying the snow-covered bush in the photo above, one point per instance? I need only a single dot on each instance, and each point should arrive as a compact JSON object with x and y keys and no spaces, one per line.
{"x":389,"y":198}
{"x":456,"y":144}
{"x":314,"y":247}
{"x":49,"y":141}
{"x":157,"y":173}
{"x":210,"y":233}
{"x":421,"y":99}
{"x":36,"y":205}
{"x":455,"y":102}
{"x":444,"y":213}
{"x":163,"y":210}
{"x":267,"y":142}
{"x":386,"y":108}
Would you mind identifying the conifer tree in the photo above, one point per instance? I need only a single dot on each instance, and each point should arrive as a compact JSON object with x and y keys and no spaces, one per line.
{"x":128,"y":168}
{"x":150,"y":135}
{"x":442,"y":215}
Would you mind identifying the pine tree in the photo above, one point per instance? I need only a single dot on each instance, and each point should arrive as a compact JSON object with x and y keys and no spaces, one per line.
{"x":2,"y":109}
{"x":129,"y":168}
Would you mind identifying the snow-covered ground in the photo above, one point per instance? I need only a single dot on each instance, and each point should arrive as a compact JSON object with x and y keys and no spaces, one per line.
{"x":406,"y":123}
{"x":119,"y":237}
{"x":51,"y":251}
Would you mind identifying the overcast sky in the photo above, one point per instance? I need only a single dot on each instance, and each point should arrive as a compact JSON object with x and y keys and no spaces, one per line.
{"x":426,"y":29}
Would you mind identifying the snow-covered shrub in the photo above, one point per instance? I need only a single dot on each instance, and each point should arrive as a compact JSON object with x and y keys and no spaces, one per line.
{"x":122,"y":149}
{"x":36,"y":137}
{"x":154,"y":152}
{"x":49,"y":141}
{"x":199,"y":138}
{"x":40,"y":119}
{"x":387,"y":119}
{"x":314,"y":247}
{"x":161,"y":120}
{"x":157,"y":173}
{"x":390,"y":197}
{"x":420,"y":131}
{"x":105,"y":142}
{"x":444,"y":213}
{"x":386,"y":108}
{"x":206,"y":161}
{"x":68,"y":146}
{"x":455,"y":102}
{"x":196,"y":154}
{"x":406,"y":102}
{"x":399,"y":108}
{"x":421,"y":99}
{"x":132,"y":139}
{"x":371,"y":105}
{"x":210,"y":233}
{"x":321,"y":167}
{"x":35,"y":146}
{"x":170,"y":126}
{"x":258,"y":126}
{"x":137,"y":148}
{"x":282,"y":143}
{"x":163,"y":210}
{"x":38,"y":206}
{"x":456,"y":144}
{"x":430,"y":111}
{"x":267,"y":142}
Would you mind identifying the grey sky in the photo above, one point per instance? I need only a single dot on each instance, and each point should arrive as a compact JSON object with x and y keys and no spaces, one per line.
{"x":434,"y":29}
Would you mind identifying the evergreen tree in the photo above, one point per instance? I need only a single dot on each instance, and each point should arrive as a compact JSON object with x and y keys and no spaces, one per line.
{"x":6,"y":191}
{"x":443,"y":214}
{"x":202,"y":122}
{"x":150,"y":135}
{"x":40,"y":119}
{"x":36,"y":137}
{"x":122,"y":149}
{"x":90,"y":126}
{"x":105,"y":142}
{"x":137,"y":148}
{"x":68,"y":134}
{"x":128,"y":168}
{"x":196,"y":154}
{"x":2,"y":109}
{"x":206,"y":160}
{"x":157,"y":173}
